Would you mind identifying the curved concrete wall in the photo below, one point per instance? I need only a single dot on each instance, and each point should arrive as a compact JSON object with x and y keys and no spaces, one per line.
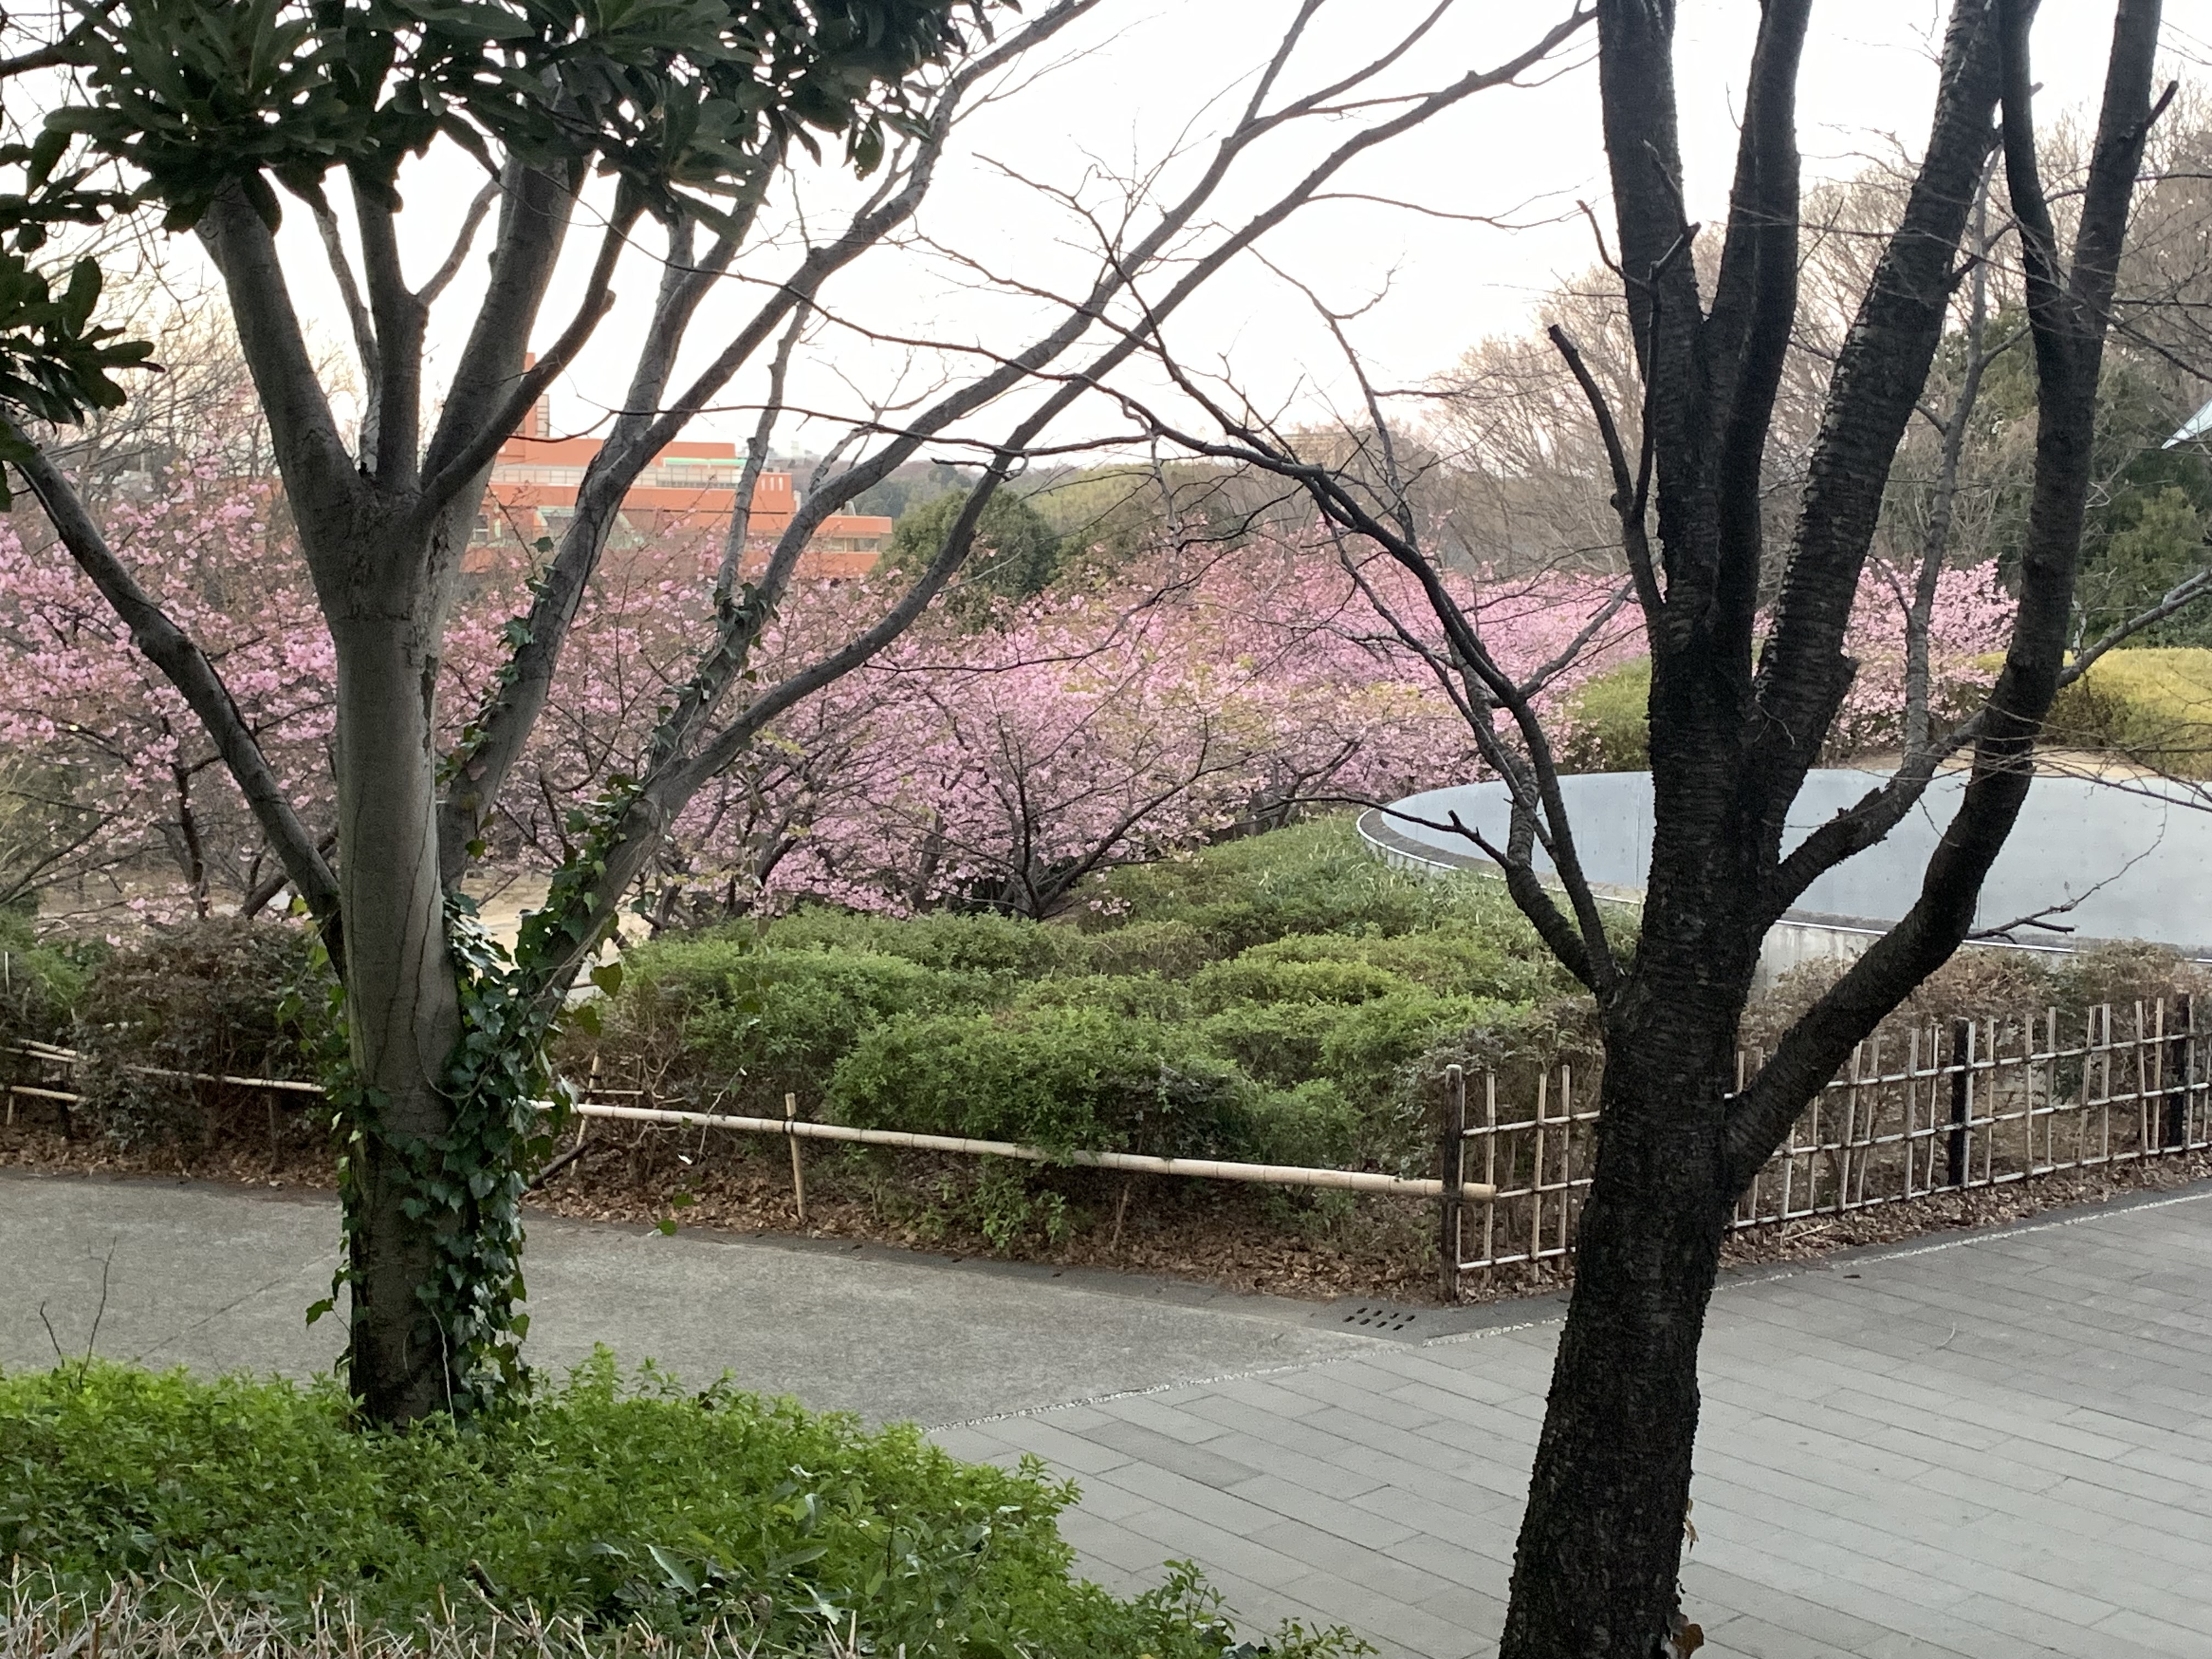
{"x":2133,"y":859}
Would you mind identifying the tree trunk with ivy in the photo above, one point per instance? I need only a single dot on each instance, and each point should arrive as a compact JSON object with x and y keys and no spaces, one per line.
{"x":215,"y":108}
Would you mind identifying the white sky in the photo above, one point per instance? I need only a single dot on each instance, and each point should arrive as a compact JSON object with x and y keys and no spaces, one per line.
{"x":1131,"y":79}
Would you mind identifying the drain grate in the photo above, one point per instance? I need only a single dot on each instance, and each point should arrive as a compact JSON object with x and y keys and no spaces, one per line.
{"x":1380,"y":1317}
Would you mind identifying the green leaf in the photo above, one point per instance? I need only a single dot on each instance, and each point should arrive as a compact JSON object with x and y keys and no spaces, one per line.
{"x":679,"y":1576}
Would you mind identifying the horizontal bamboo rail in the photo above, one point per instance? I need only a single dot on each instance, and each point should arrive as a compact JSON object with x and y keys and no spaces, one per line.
{"x":1273,"y":1175}
{"x":72,"y":1057}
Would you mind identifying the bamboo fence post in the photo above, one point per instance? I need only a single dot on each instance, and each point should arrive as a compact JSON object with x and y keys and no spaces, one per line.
{"x":1536,"y":1180}
{"x":1747,"y":1203}
{"x":1566,"y":1154}
{"x":1962,"y":1059}
{"x":798,"y":1169}
{"x":1489,"y":1169}
{"x":2105,"y":1086}
{"x":2148,"y":1087}
{"x":2177,"y":1075}
{"x":1452,"y":1201}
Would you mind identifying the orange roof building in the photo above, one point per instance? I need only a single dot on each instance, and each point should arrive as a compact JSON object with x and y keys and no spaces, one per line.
{"x":688,"y":489}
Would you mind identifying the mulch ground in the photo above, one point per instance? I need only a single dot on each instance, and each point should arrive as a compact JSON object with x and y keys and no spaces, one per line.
{"x":1239,"y":1238}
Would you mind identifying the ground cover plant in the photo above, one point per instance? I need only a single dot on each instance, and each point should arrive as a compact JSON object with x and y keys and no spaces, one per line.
{"x":616,"y":1504}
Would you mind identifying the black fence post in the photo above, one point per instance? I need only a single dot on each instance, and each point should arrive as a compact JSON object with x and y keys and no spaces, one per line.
{"x":1453,"y":1168}
{"x":2177,"y":1069}
{"x":1962,"y":1061}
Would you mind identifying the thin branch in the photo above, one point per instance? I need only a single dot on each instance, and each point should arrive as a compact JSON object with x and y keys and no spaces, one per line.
{"x":1629,"y":492}
{"x":470,"y":457}
{"x":427,"y":295}
{"x":741,"y":507}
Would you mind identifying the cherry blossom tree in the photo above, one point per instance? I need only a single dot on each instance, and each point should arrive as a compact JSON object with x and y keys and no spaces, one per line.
{"x":140,"y":785}
{"x":656,"y":136}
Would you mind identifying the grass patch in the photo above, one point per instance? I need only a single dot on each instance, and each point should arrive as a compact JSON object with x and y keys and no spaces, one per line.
{"x":611,"y":1504}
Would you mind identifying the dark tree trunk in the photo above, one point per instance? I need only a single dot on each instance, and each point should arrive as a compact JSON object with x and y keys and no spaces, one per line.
{"x":1600,"y":1541}
{"x":1610,"y":1492}
{"x":1731,"y":740}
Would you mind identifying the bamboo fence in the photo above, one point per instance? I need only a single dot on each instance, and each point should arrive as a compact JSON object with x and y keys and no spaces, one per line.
{"x":1922,"y":1107}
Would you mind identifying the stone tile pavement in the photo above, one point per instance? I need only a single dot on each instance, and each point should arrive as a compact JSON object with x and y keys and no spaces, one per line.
{"x":1993,"y":1446}
{"x":1990,"y":1446}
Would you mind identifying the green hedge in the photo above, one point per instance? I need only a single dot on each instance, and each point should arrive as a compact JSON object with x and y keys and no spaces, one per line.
{"x":2155,"y":706}
{"x":1608,"y":727}
{"x":1058,"y":1078}
{"x":756,"y":1022}
{"x":1266,"y":998}
{"x":1310,"y":879}
{"x":614,"y":1504}
{"x":938,"y":939}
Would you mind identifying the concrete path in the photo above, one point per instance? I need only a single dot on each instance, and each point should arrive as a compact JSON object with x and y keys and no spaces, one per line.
{"x":1992,"y":1445}
{"x":219,"y":1277}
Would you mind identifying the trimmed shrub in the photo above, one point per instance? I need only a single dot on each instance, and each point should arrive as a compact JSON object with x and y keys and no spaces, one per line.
{"x":1265,"y":999}
{"x":616,"y":1505}
{"x":1057,"y":1078}
{"x":1310,"y":879}
{"x":1456,"y":960}
{"x":1136,"y":996}
{"x":734,"y":1020}
{"x":1173,"y":948}
{"x":934,"y":939}
{"x":1609,"y":721}
{"x":224,"y":996}
{"x":1362,"y":1049}
{"x":1255,"y":977}
{"x":1314,"y":1126}
{"x":2155,"y":706}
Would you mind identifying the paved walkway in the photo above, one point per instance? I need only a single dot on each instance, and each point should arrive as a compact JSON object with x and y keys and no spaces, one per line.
{"x":1995,"y":1445}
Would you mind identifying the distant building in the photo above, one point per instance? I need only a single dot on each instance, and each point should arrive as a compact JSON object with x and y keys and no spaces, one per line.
{"x":688,"y":489}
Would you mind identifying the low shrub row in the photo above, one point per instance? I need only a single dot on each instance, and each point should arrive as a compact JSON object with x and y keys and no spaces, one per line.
{"x":223,"y":996}
{"x":2153,"y":706}
{"x":1267,"y":998}
{"x":615,"y":1503}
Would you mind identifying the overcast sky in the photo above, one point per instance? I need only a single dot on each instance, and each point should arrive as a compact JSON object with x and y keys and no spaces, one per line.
{"x":1143,"y":78}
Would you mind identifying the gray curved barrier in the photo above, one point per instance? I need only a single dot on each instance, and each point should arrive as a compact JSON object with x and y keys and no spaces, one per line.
{"x":2130,"y":859}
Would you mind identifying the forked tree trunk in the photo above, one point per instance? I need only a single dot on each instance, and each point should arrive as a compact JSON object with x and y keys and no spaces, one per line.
{"x":1732,"y":737}
{"x":402,"y":1011}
